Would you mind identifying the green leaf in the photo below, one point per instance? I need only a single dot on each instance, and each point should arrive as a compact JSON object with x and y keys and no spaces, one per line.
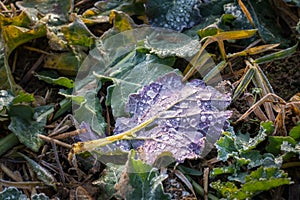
{"x":290,"y":148}
{"x":24,"y":19}
{"x":208,"y":31}
{"x":265,"y":178}
{"x":77,"y":33}
{"x":226,"y":147}
{"x":222,"y":170}
{"x":66,"y":63}
{"x":62,"y":81}
{"x":8,"y":142}
{"x":27,"y":132}
{"x":190,"y":171}
{"x":264,"y":19}
{"x":108,"y":181}
{"x":131,"y":7}
{"x":262,"y":179}
{"x":124,"y":61}
{"x":275,"y":143}
{"x":12,"y":193}
{"x":89,"y":111}
{"x":170,"y":44}
{"x":239,"y":145}
{"x":248,"y":143}
{"x":268,"y":127}
{"x":240,"y":151}
{"x":21,"y":111}
{"x":23,"y":97}
{"x":25,"y":127}
{"x":42,"y":173}
{"x":146,"y":68}
{"x":59,"y":10}
{"x":14,"y":36}
{"x":226,"y":189}
{"x":7,"y":81}
{"x":294,"y":132}
{"x":144,"y":181}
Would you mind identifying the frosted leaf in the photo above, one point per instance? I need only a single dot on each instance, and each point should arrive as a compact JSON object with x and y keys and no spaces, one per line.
{"x":169,"y":43}
{"x":182,"y":126}
{"x":173,"y":14}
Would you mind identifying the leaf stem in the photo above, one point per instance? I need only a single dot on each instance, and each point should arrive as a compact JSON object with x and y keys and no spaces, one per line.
{"x":90,"y":145}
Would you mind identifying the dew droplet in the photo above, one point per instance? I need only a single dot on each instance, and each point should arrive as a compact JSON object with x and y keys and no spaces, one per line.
{"x":193,"y":122}
{"x":151,"y":94}
{"x":199,"y":102}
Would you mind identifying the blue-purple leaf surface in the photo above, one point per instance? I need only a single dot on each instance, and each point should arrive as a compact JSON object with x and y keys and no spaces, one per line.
{"x":186,"y":118}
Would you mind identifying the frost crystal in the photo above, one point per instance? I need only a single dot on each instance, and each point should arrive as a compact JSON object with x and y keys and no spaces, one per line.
{"x":188,"y":118}
{"x":173,"y":14}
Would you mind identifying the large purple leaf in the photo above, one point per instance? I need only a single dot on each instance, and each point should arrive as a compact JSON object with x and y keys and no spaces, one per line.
{"x":186,"y":118}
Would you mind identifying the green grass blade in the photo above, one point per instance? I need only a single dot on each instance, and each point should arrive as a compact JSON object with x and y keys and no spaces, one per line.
{"x":278,"y":55}
{"x":244,"y":83}
{"x":216,"y":70}
{"x":260,"y":80}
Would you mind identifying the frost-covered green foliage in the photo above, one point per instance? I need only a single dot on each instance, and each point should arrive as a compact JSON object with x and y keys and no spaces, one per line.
{"x":13,"y":193}
{"x":250,"y":171}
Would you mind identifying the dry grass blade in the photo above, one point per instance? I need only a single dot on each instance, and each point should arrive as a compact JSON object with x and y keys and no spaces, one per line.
{"x":197,"y":62}
{"x":281,"y":107}
{"x":70,"y":134}
{"x":23,"y":185}
{"x":258,"y":111}
{"x":182,"y":177}
{"x":260,"y":102}
{"x":205,"y":182}
{"x":246,"y":12}
{"x":254,"y":50}
{"x":48,"y":139}
{"x":222,"y":49}
{"x":194,"y":65}
{"x":233,"y":35}
{"x":9,"y":173}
